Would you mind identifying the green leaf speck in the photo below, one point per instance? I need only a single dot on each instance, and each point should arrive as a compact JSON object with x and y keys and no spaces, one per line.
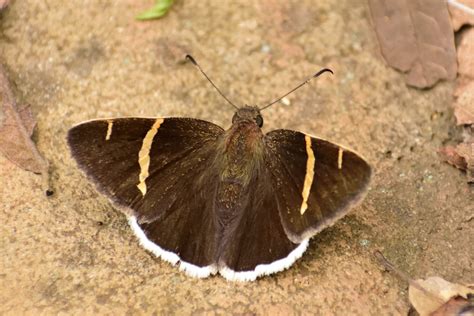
{"x":160,"y":8}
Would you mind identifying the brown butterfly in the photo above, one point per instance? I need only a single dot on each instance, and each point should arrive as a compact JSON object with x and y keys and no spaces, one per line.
{"x":236,"y":202}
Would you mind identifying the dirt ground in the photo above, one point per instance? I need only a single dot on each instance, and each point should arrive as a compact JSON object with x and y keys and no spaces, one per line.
{"x":77,"y":60}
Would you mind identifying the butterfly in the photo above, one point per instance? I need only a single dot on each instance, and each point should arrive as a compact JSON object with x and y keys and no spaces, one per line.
{"x":236,"y":202}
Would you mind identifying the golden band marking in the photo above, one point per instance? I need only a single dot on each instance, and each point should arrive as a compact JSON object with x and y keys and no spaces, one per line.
{"x":144,"y":155}
{"x":339,"y":158}
{"x":308,"y":179}
{"x":109,"y":129}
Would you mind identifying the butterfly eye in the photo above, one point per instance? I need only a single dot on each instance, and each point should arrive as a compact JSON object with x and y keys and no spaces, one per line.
{"x":259,"y":120}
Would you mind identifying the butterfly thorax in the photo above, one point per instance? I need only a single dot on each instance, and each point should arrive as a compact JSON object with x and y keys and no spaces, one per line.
{"x":242,"y":151}
{"x":241,"y":156}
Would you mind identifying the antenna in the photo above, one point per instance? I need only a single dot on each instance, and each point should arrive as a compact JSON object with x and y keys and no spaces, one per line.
{"x":190,"y":58}
{"x":297,"y":87}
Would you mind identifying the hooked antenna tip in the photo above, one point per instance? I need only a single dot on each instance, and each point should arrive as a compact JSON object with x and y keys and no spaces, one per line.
{"x":323,"y":71}
{"x":190,"y":58}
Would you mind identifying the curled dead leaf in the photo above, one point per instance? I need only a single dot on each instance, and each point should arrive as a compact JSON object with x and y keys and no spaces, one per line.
{"x":443,"y":296}
{"x":435,"y":296}
{"x":16,"y":127}
{"x":416,"y":37}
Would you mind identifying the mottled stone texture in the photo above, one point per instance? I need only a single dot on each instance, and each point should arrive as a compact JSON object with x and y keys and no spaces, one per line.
{"x":77,"y":60}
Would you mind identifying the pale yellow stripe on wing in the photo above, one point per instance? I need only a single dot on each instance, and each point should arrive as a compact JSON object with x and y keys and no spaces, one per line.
{"x":339,"y":158}
{"x":144,"y":155}
{"x":308,"y":179}
{"x":109,"y":129}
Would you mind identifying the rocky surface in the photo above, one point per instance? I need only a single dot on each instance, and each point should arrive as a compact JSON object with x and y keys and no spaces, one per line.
{"x":73,"y":61}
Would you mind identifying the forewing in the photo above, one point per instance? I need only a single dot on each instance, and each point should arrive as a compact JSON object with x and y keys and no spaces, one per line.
{"x":316,"y":181}
{"x":150,"y":169}
{"x":180,"y":215}
{"x":108,"y":151}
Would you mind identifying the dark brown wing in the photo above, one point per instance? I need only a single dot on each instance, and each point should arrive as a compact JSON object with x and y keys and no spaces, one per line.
{"x":150,"y":169}
{"x":256,"y":243}
{"x":316,"y":181}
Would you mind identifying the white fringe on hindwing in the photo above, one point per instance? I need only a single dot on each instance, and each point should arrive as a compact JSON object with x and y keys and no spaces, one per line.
{"x":203,"y":272}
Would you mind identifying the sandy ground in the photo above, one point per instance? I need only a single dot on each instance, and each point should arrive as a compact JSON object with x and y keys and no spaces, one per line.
{"x":78,"y":60}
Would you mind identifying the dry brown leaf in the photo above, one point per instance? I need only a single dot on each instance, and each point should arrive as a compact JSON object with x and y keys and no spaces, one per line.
{"x":16,"y":127}
{"x":416,"y":37}
{"x":466,"y":151}
{"x":464,"y":104}
{"x":464,"y":92}
{"x":465,"y":53}
{"x":451,"y":156}
{"x":461,"y":156}
{"x":468,"y":133}
{"x":455,"y":306}
{"x":435,"y":294}
{"x":27,"y":118}
{"x":460,"y":17}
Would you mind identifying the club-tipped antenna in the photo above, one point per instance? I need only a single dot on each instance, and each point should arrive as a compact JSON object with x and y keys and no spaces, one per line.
{"x":191,"y":59}
{"x":298,"y":86}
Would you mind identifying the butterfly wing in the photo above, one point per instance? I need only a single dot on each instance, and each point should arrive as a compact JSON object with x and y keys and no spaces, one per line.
{"x":164,"y":173}
{"x":303,"y":185}
{"x":148,"y":168}
{"x":256,"y":243}
{"x":316,"y":181}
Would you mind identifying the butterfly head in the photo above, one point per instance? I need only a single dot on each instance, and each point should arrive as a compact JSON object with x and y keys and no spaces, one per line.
{"x":248,"y":114}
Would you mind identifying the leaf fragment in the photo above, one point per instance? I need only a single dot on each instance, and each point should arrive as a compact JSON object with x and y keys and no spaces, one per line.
{"x":451,"y":156}
{"x":443,"y":293}
{"x":16,"y":127}
{"x":464,"y":105}
{"x":416,"y":38}
{"x":27,"y":118}
{"x":461,"y":156}
{"x":434,"y":296}
{"x":455,"y":306}
{"x":159,"y":10}
{"x":464,"y":92}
